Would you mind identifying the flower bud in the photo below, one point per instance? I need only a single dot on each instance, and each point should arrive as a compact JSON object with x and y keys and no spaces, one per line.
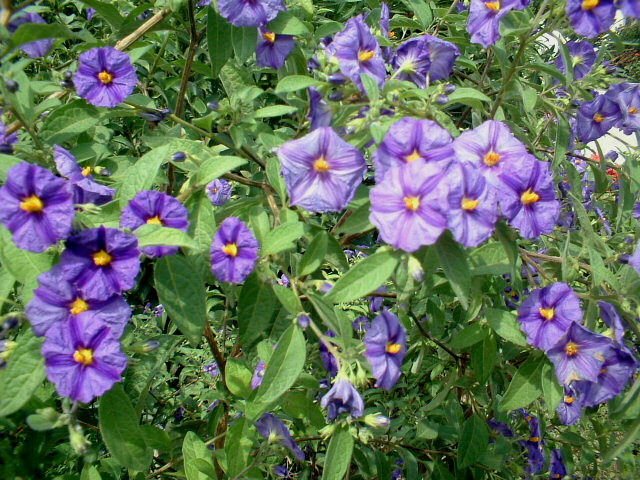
{"x":102,"y":171}
{"x":377,"y":421}
{"x":145,"y":347}
{"x":303,"y":320}
{"x":415,"y":269}
{"x":442,"y":99}
{"x":337,"y":79}
{"x":12,"y":85}
{"x":179,"y":157}
{"x":449,"y":88}
{"x":336,"y":96}
{"x":78,"y":441}
{"x":213,"y":105}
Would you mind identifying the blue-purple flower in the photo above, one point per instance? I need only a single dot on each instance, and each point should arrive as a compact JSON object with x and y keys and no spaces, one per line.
{"x":328,"y":360}
{"x":258,"y":375}
{"x":82,"y":357}
{"x":150,"y":207}
{"x":342,"y":397}
{"x":85,"y":188}
{"x":272,"y":428}
{"x":273,"y":48}
{"x":485,"y":16}
{"x":589,"y":18}
{"x":101,"y":261}
{"x":412,"y":61}
{"x":105,"y":76}
{"x":219,"y":191}
{"x":627,"y":96}
{"x":7,"y":140}
{"x":443,"y":55}
{"x":386,"y":346}
{"x":37,"y":48}
{"x":557,"y":468}
{"x":629,"y":8}
{"x":319,"y":113}
{"x":595,"y":118}
{"x":582,"y":56}
{"x":234,"y":251}
{"x":250,"y":13}
{"x":321,"y":171}
{"x":37,"y":207}
{"x":570,"y":408}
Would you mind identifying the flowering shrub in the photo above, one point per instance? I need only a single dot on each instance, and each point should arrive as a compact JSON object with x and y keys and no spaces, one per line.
{"x":317,"y":239}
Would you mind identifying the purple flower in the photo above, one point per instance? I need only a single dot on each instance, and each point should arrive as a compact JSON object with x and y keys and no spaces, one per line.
{"x":596,"y":118}
{"x":386,"y":343}
{"x":500,"y":427}
{"x":629,"y":8}
{"x":105,"y":76}
{"x":612,"y":319}
{"x":412,"y":61}
{"x":627,"y":96}
{"x":36,"y":207}
{"x":155,"y":208}
{"x":272,"y":428}
{"x":491,"y":148}
{"x":582,"y":56}
{"x":413,"y":139}
{"x":321,"y":171}
{"x":258,"y":375}
{"x":38,"y":48}
{"x":385,"y":13}
{"x":570,"y":408}
{"x":408,"y":205}
{"x":281,"y":471}
{"x":7,"y":141}
{"x":90,"y":13}
{"x":319,"y":113}
{"x":234,"y":251}
{"x":535,"y":458}
{"x":556,"y":466}
{"x":358,"y":52}
{"x":473,"y":208}
{"x":85,"y":188}
{"x":634,"y":259}
{"x":443,"y":55}
{"x":361,"y":324}
{"x":529,"y":201}
{"x":273,"y":49}
{"x":375,"y":303}
{"x":211,"y":369}
{"x":101,"y":261}
{"x":250,"y":13}
{"x":485,"y":16}
{"x":82,"y":357}
{"x":329,"y":362}
{"x":343,"y":397}
{"x":547,"y":314}
{"x":219,"y":191}
{"x":579,"y":354}
{"x":591,"y":17}
{"x":56,"y":300}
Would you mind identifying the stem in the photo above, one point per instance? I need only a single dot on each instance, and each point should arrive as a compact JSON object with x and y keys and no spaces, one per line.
{"x":217,"y":354}
{"x":436,"y":341}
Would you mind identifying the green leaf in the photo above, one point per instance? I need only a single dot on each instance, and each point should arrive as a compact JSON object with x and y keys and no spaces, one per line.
{"x":183,"y":295}
{"x":293,"y":83}
{"x":469,"y":335}
{"x":505,"y":325}
{"x":217,"y":166}
{"x":157,"y":235}
{"x":421,"y":10}
{"x":89,"y":472}
{"x":6,"y":162}
{"x":370,"y":87}
{"x":474,"y":440}
{"x":456,"y":268}
{"x":256,"y":309}
{"x":69,"y":121}
{"x":338,"y":457}
{"x":218,"y":34}
{"x":631,"y":434}
{"x":237,"y":447}
{"x":194,"y":449}
{"x":563,"y":137}
{"x":142,"y":174}
{"x":23,"y":374}
{"x":274,"y":111}
{"x":107,"y":11}
{"x":24,"y":266}
{"x":358,"y":221}
{"x":313,"y":258}
{"x":244,"y":40}
{"x":468,"y":96}
{"x":30,"y":32}
{"x":551,"y":389}
{"x":525,"y":385}
{"x":238,"y":378}
{"x":287,"y":24}
{"x":288,"y":299}
{"x":365,"y":277}
{"x":483,"y":357}
{"x":120,"y":430}
{"x":282,"y":370}
{"x":282,"y":238}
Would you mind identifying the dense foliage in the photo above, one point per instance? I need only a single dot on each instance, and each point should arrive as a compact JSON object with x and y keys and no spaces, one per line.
{"x":317,"y":239}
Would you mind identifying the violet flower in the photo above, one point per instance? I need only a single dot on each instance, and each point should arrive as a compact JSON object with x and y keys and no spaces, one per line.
{"x":321,"y":171}
{"x":443,"y":56}
{"x":272,"y":429}
{"x":570,"y":408}
{"x":150,"y":207}
{"x":7,"y":140}
{"x":589,"y":18}
{"x":342,"y":397}
{"x":319,"y":113}
{"x":105,"y":76}
{"x":85,"y":188}
{"x":258,"y":375}
{"x":386,"y":346}
{"x":273,"y":48}
{"x":557,"y":468}
{"x":219,"y":191}
{"x":37,"y":207}
{"x":250,"y":13}
{"x":485,"y":16}
{"x":412,"y":61}
{"x":629,"y":8}
{"x":596,"y":118}
{"x":234,"y":251}
{"x":329,"y":362}
{"x":38,"y":48}
{"x":582,"y":56}
{"x":82,"y":357}
{"x":628,"y":99}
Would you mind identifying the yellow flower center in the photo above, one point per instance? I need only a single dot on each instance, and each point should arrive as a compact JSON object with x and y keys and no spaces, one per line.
{"x":364,"y":55}
{"x":598,"y":118}
{"x":78,"y":306}
{"x":603,"y":371}
{"x":230,"y":249}
{"x":101,"y":258}
{"x":534,"y":439}
{"x":392,"y":34}
{"x":633,"y":110}
{"x":105,"y":77}
{"x":571,"y":349}
{"x":393,"y":348}
{"x":154,"y":220}
{"x":529,"y":197}
{"x":491,"y":159}
{"x":412,"y":203}
{"x":568,"y":400}
{"x":495,"y":6}
{"x":469,"y":204}
{"x":547,"y":313}
{"x":32,"y":204}
{"x":83,"y":356}
{"x":321,"y":165}
{"x":590,"y":4}
{"x":269,"y":37}
{"x":413,"y":156}
{"x":86,"y":171}
{"x":528,"y":418}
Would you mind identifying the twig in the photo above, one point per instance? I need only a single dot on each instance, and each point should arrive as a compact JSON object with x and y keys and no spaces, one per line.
{"x":550,"y":258}
{"x":217,"y":354}
{"x":436,"y":341}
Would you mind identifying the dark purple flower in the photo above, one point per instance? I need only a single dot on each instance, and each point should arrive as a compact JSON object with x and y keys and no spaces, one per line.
{"x":90,"y":13}
{"x":500,"y":427}
{"x":556,"y":466}
{"x":627,"y":96}
{"x":82,"y":357}
{"x":629,"y":8}
{"x":529,"y":200}
{"x":547,"y":314}
{"x":56,"y":300}
{"x":281,"y":471}
{"x":101,"y":261}
{"x":570,"y":408}
{"x":319,"y":113}
{"x":272,"y":428}
{"x":375,"y":303}
{"x":579,"y":354}
{"x":361,"y":324}
{"x":386,"y":343}
{"x":385,"y":13}
{"x":7,"y":141}
{"x":321,"y":171}
{"x":613,"y":320}
{"x":634,"y":259}
{"x":485,"y":16}
{"x":343,"y":397}
{"x":273,"y":49}
{"x":413,"y":139}
{"x":408,"y":206}
{"x":473,"y":208}
{"x":443,"y":55}
{"x":219,"y":191}
{"x":105,"y":76}
{"x":234,"y":251}
{"x":211,"y":369}
{"x":328,"y":360}
{"x":582,"y":56}
{"x":203,"y":3}
{"x":358,"y":52}
{"x":155,"y":208}
{"x":250,"y":13}
{"x":596,"y":118}
{"x":591,"y":17}
{"x":85,"y":188}
{"x":36,"y":207}
{"x":412,"y":61}
{"x":38,"y":48}
{"x":258,"y":374}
